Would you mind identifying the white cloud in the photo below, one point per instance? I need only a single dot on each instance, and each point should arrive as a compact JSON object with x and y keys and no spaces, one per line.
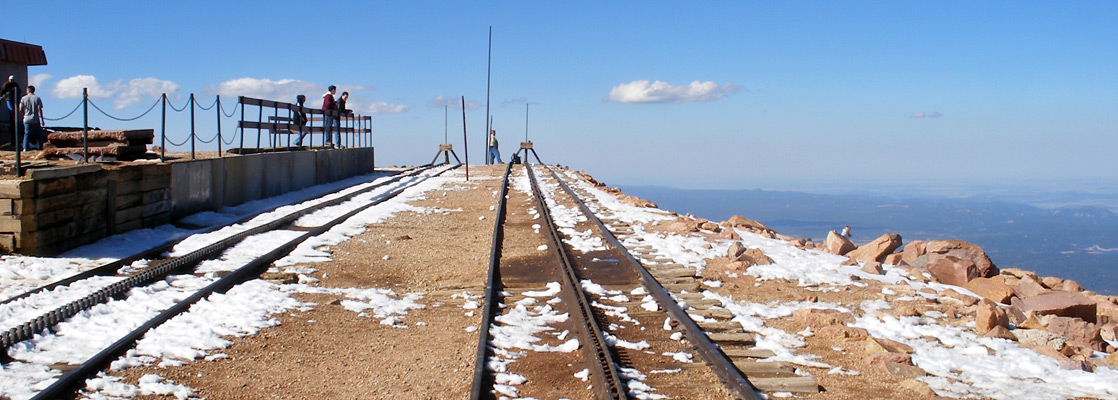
{"x":663,"y":92}
{"x":933,"y":114}
{"x":71,"y":88}
{"x":124,"y":94}
{"x":455,"y":103}
{"x":137,"y":90}
{"x":281,"y":90}
{"x":383,"y":107}
{"x":37,"y":80}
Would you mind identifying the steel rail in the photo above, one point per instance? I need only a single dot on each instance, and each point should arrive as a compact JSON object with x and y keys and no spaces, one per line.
{"x":613,"y":385}
{"x":28,"y":329}
{"x":111,"y":268}
{"x":483,"y":382}
{"x":69,"y":383}
{"x":735,"y":381}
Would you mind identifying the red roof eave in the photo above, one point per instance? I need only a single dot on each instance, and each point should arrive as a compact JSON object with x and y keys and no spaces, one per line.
{"x":22,"y":53}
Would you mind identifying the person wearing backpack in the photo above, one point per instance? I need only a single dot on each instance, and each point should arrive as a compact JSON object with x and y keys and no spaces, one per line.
{"x":300,"y":119}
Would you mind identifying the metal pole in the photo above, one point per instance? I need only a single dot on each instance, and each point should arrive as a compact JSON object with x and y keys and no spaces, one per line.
{"x":488,"y":78}
{"x":465,"y":143}
{"x":272,"y":138}
{"x":85,"y":125}
{"x":259,"y":121}
{"x":192,"y":126}
{"x":526,"y":125}
{"x":241,"y":99}
{"x":446,"y":124}
{"x":218,"y":107}
{"x":163,"y":134}
{"x":19,"y":124}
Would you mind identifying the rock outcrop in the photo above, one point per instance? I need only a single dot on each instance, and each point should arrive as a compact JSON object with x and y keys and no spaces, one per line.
{"x":837,"y":244}
{"x":877,"y":249}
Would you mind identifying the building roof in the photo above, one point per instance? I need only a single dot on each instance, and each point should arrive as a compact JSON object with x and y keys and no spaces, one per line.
{"x":22,"y":53}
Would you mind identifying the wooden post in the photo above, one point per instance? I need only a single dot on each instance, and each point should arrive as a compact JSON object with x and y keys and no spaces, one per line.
{"x":465,"y":143}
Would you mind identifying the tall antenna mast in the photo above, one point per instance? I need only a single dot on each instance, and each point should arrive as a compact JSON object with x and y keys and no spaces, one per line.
{"x":526,"y":124}
{"x":488,"y":78}
{"x":446,"y":123}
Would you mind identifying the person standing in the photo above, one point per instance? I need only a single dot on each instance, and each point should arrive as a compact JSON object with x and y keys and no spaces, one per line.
{"x":9,"y":95}
{"x":329,"y":112}
{"x":494,"y":154}
{"x":300,"y":119}
{"x":342,"y":113}
{"x":846,"y":232}
{"x":31,"y":107}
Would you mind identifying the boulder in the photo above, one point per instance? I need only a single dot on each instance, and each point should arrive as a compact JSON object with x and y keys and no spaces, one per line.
{"x":729,"y":234}
{"x":755,"y":257}
{"x":683,"y":226}
{"x":1039,"y":338}
{"x":1028,"y":287}
{"x":837,"y":244}
{"x":842,"y":332}
{"x":812,"y":318}
{"x":1000,"y":333}
{"x":879,"y":345}
{"x":709,"y":226}
{"x":898,"y":364}
{"x":993,"y":288}
{"x":1107,"y":309}
{"x":1078,"y":332}
{"x":877,"y":249}
{"x":962,"y":250}
{"x":1109,"y":331}
{"x":913,"y":250}
{"x":1064,"y":304}
{"x":1020,"y":273}
{"x":966,"y":299}
{"x":953,"y":270}
{"x":738,"y":221}
{"x":735,"y":250}
{"x":634,"y":201}
{"x":1052,"y":282}
{"x":873,"y":268}
{"x":892,"y":259}
{"x":1070,"y":286}
{"x":989,"y":316}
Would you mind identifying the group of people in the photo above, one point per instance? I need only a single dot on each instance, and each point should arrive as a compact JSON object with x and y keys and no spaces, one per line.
{"x":333,"y":109}
{"x":30,"y":106}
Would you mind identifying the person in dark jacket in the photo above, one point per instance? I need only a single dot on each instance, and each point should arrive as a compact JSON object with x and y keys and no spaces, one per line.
{"x":342,"y":113}
{"x":300,"y":119}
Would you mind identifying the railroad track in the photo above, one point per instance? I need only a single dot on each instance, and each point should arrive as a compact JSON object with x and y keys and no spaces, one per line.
{"x":182,"y":257}
{"x":601,"y":266}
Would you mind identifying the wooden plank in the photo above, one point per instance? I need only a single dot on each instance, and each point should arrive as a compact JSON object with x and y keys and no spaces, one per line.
{"x":750,"y":352}
{"x":800,"y":384}
{"x":712,"y":313}
{"x":679,"y":287}
{"x":719,"y":326}
{"x":673,"y":272}
{"x":762,"y":367}
{"x":725,"y":337}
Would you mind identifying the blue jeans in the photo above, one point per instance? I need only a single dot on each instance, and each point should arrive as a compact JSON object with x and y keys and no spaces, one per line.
{"x":31,"y":135}
{"x":494,"y":154}
{"x":328,"y":127}
{"x":338,"y":131}
{"x":302,"y":134}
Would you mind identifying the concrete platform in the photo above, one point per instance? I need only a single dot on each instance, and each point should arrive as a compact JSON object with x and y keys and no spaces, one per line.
{"x":55,"y":209}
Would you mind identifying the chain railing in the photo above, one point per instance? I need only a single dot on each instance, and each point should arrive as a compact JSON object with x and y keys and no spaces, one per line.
{"x":355,"y":130}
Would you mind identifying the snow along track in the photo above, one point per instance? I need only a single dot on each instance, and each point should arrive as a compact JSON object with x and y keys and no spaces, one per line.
{"x":266,"y":229}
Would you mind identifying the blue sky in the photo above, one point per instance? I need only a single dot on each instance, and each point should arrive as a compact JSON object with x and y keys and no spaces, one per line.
{"x":783,"y":95}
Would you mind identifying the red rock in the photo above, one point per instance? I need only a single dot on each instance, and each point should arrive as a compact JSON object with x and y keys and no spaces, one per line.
{"x":962,"y":250}
{"x":967,"y":299}
{"x":1078,"y":332}
{"x":1020,"y":273}
{"x":873,"y":267}
{"x":1001,"y":333}
{"x":1071,"y":286}
{"x":897,"y":364}
{"x":735,"y":250}
{"x":877,"y":249}
{"x":893,"y":259}
{"x":952,"y":270}
{"x":913,"y":250}
{"x":842,"y":332}
{"x":1064,"y":304}
{"x":755,"y":257}
{"x":879,"y":345}
{"x":1107,"y":310}
{"x":837,"y":244}
{"x":729,"y":234}
{"x":994,"y":288}
{"x":1048,"y":351}
{"x":1029,"y":287}
{"x":1051,"y":282}
{"x":989,"y":316}
{"x":812,"y":318}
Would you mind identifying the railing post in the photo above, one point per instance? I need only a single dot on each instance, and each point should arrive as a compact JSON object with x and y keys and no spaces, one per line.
{"x":192,"y":126}
{"x":18,"y":122}
{"x":85,"y":125}
{"x":272,"y":138}
{"x":218,"y":107}
{"x":259,"y":122}
{"x":163,"y":134}
{"x":241,"y":100}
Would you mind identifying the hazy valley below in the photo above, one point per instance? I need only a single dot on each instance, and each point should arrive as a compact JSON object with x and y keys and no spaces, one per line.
{"x":1059,"y":236}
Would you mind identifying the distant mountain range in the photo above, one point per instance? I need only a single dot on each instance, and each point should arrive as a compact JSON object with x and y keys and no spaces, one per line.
{"x":1077,"y":242}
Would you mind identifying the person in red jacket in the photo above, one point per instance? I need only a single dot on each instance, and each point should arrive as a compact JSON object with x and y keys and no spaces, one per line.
{"x":329,"y":108}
